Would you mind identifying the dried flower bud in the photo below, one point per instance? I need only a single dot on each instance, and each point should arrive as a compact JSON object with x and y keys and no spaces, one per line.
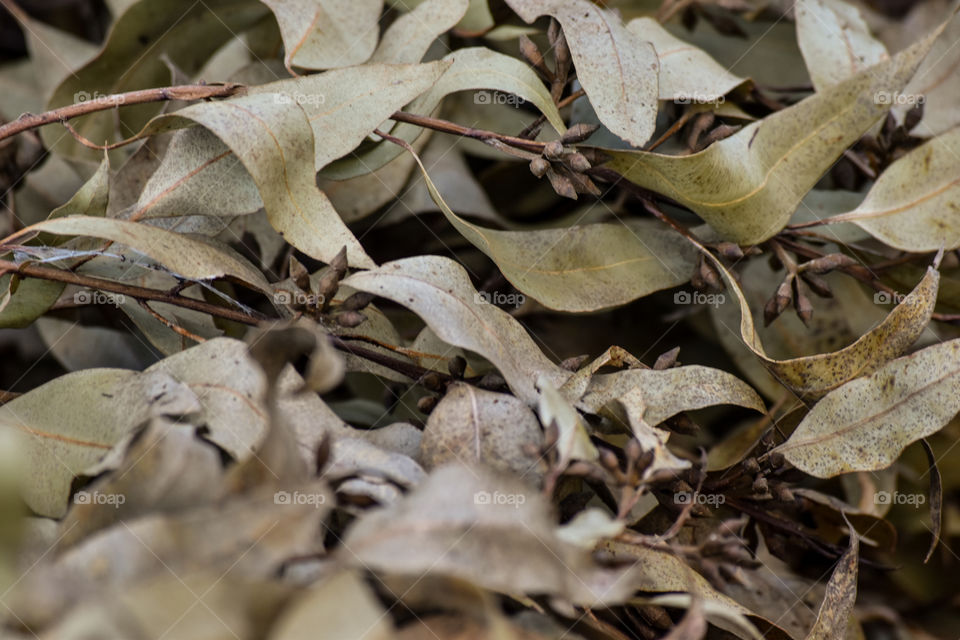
{"x":456,"y":366}
{"x":426,"y":404}
{"x":539,"y":166}
{"x":350,"y":319}
{"x":578,"y":133}
{"x":578,"y":162}
{"x":553,"y":150}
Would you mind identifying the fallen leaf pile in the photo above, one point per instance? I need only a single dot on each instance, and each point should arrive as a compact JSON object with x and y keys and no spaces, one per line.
{"x":479,"y":319}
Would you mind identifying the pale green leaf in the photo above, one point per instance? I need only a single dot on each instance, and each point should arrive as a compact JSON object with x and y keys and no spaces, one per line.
{"x":748,"y":185}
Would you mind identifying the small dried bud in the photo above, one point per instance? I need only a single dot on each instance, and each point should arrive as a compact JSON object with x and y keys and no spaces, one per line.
{"x":531,"y":53}
{"x":777,"y":460}
{"x":667,"y":359}
{"x":432,"y":381}
{"x":578,"y":133}
{"x":804,"y":309}
{"x":553,"y":150}
{"x":578,"y":162}
{"x":562,"y":184}
{"x":357,"y":301}
{"x":299,"y":274}
{"x":730,"y":250}
{"x":339,"y":263}
{"x":709,"y":274}
{"x":633,"y":449}
{"x":760,"y":485}
{"x":539,"y":166}
{"x":751,"y":466}
{"x":426,"y":404}
{"x":350,"y":319}
{"x":783,"y":494}
{"x":818,"y":285}
{"x":492,"y":382}
{"x":827,"y":263}
{"x":609,"y":459}
{"x":574,"y":363}
{"x":456,"y":366}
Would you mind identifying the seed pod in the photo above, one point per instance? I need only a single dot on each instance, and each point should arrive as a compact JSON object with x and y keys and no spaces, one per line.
{"x":751,"y":466}
{"x":299,"y":274}
{"x":562,"y":184}
{"x":432,"y":381}
{"x":818,"y":285}
{"x":531,"y":53}
{"x":539,"y":166}
{"x":779,"y":302}
{"x":339,"y":263}
{"x":709,"y":274}
{"x":777,"y":460}
{"x":783,"y":494}
{"x":578,"y":133}
{"x":730,"y":250}
{"x":633,"y":449}
{"x":609,"y":460}
{"x":828,"y":263}
{"x":760,"y":485}
{"x":583,"y":184}
{"x":802,"y":303}
{"x":553,"y":150}
{"x":426,"y":404}
{"x":667,"y":359}
{"x":492,"y":382}
{"x":578,"y":162}
{"x":350,"y":319}
{"x":357,"y":301}
{"x":456,"y":366}
{"x":574,"y":363}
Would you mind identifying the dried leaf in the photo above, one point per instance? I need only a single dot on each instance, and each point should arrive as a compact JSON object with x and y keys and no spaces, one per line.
{"x":866,"y":423}
{"x":748,"y":185}
{"x":616,"y":67}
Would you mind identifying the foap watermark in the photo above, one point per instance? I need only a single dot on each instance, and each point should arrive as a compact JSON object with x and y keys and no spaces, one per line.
{"x":500,"y":298}
{"x":96,"y":497}
{"x":497,"y":97}
{"x":311,"y":99}
{"x":895,"y":98}
{"x":887,"y":297}
{"x":299,"y":298}
{"x":98,"y":297}
{"x":296,"y":497}
{"x":886,"y":497}
{"x":712,"y":499}
{"x":497,"y":497}
{"x":896,"y":497}
{"x":96,"y":96}
{"x":700,"y":98}
{"x":697,"y":297}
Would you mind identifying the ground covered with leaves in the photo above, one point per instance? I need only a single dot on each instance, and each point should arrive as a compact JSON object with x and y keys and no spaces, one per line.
{"x":499,"y":319}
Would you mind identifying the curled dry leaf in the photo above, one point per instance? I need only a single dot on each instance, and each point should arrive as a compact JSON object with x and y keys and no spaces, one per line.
{"x":453,"y":524}
{"x":439,"y":291}
{"x":323,"y":34}
{"x":837,"y":607}
{"x":814,"y":376}
{"x":748,"y":185}
{"x":581,"y":268}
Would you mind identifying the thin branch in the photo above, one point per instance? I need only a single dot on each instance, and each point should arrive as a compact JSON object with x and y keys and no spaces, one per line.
{"x":102,"y":103}
{"x":29,"y":270}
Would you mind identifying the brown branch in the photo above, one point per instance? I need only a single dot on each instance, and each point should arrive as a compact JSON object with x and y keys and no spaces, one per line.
{"x":29,"y":270}
{"x":101,"y":103}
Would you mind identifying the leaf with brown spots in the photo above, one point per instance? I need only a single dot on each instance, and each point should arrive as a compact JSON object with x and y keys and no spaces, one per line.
{"x":865,"y":424}
{"x":812,"y":377}
{"x":837,"y":607}
{"x":915,"y":204}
